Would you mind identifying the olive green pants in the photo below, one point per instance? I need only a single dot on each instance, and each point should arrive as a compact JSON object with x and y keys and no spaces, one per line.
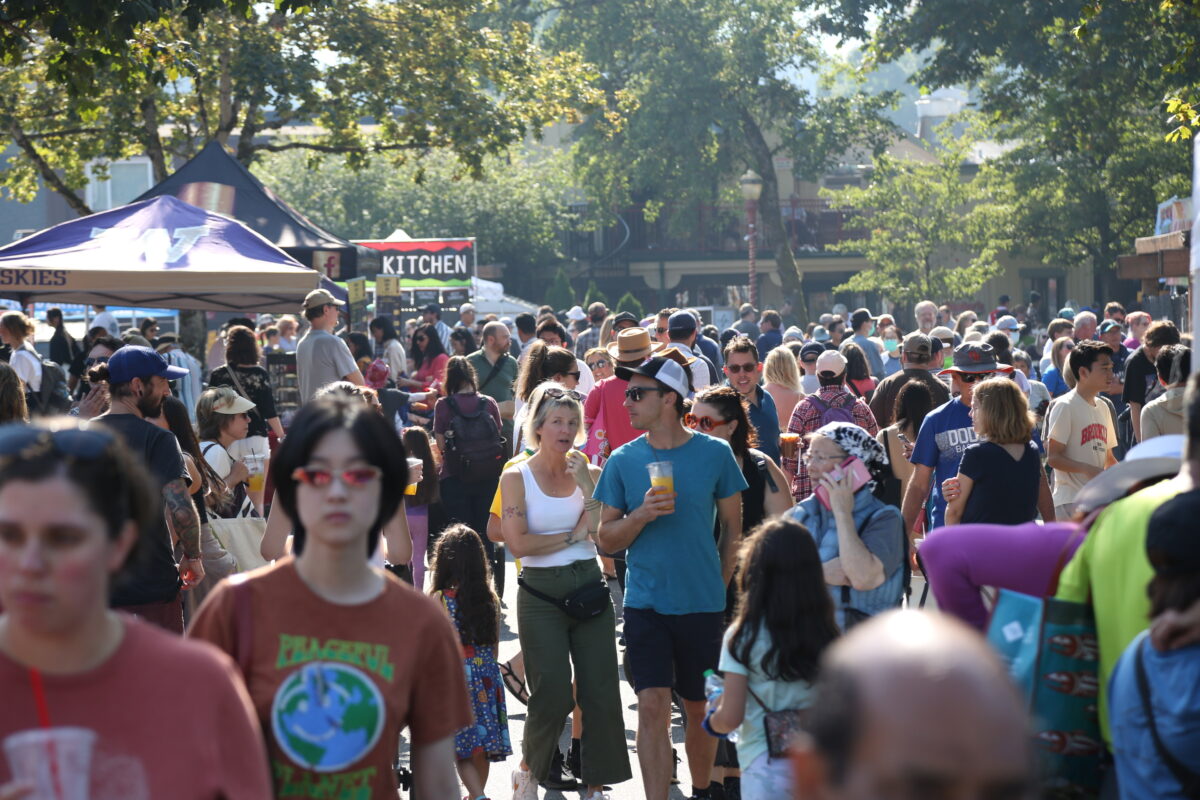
{"x":553,"y":643}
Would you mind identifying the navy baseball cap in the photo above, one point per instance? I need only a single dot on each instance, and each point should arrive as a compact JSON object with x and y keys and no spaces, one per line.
{"x":133,"y":361}
{"x":681,"y":322}
{"x":812,"y":349}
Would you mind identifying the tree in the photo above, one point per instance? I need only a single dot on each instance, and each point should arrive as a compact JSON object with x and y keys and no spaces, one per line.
{"x":517,"y":211}
{"x":1080,"y":104}
{"x":329,"y":81}
{"x":935,"y":230}
{"x":594,"y":295}
{"x":631,"y":304}
{"x":560,"y":295}
{"x":694,"y":92}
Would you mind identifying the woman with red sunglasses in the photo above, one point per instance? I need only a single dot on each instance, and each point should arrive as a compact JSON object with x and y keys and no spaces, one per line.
{"x":338,"y":655}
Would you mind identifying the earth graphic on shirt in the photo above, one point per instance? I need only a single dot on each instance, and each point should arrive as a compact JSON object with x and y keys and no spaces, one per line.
{"x":326,"y":716}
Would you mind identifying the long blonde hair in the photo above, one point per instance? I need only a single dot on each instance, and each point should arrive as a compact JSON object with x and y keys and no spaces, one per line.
{"x":781,"y":369}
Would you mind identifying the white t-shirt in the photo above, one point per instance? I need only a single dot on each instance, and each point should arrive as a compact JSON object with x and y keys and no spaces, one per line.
{"x":28,"y":366}
{"x":1087,"y":431}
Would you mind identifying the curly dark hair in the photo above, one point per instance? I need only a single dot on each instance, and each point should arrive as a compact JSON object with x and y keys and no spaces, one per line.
{"x":460,"y":565}
{"x":241,"y":347}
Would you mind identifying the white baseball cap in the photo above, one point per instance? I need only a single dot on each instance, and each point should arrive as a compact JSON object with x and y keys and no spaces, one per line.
{"x":832,"y":362}
{"x":666,"y":371}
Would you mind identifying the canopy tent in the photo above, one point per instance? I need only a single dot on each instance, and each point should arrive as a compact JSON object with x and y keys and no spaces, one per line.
{"x":216,"y":181}
{"x":161,"y":252}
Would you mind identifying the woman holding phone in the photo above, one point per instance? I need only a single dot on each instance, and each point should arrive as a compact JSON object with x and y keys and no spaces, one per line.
{"x":860,"y":538}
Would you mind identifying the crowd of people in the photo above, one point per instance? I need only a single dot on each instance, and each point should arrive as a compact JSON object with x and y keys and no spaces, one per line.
{"x":305,"y":588}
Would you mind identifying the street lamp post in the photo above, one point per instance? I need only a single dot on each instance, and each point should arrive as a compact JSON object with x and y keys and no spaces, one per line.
{"x":752,"y":185}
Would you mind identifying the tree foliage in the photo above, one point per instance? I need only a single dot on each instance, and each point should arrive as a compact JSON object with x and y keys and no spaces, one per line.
{"x":368,"y":79}
{"x":517,"y":210}
{"x":696,"y":91}
{"x":594,"y":295}
{"x":631,"y":304}
{"x":936,"y":230}
{"x":560,"y":296}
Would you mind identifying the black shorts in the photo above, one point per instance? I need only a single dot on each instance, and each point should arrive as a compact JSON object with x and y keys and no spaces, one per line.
{"x":672,"y":651}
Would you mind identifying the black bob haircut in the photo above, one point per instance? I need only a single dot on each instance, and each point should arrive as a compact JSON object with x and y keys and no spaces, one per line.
{"x":376,"y":440}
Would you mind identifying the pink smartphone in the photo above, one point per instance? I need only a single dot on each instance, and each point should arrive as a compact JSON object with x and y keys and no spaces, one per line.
{"x":851,"y":465}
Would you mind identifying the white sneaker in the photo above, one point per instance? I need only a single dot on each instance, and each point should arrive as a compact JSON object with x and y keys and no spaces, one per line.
{"x":524,"y":786}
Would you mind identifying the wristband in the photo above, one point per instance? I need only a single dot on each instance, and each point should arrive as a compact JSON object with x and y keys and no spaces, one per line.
{"x":707,"y":726}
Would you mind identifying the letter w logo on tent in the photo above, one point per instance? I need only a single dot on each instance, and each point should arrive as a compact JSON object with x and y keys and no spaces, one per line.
{"x":159,"y":246}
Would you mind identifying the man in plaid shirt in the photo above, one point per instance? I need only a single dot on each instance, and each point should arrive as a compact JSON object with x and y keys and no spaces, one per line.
{"x":831,"y":372}
{"x":591,"y":337}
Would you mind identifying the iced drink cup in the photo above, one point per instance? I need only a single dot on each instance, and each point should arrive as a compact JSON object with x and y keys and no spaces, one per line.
{"x":662,"y":478}
{"x":414,"y":464}
{"x":789,"y":445}
{"x":57,"y":761}
{"x":258,"y":472}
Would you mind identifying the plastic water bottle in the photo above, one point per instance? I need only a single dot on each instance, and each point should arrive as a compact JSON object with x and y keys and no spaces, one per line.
{"x":714,"y":687}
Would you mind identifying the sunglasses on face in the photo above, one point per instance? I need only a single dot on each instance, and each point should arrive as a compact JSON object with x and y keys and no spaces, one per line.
{"x":419,"y":339}
{"x":661,"y":330}
{"x":636,"y":393}
{"x":574,"y":375}
{"x":734,"y":369}
{"x":90,"y":361}
{"x":597,"y":365}
{"x":704,"y":424}
{"x":318,"y":478}
{"x":972,"y":377}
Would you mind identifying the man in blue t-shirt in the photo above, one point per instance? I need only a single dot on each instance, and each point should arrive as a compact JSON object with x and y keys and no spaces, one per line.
{"x":676,"y":579}
{"x":946,"y":433}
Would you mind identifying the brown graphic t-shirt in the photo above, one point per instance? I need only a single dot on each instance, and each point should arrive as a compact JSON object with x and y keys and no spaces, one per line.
{"x":334,"y":685}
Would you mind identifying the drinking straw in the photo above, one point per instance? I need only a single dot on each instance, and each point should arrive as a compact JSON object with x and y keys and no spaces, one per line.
{"x":43,"y":712}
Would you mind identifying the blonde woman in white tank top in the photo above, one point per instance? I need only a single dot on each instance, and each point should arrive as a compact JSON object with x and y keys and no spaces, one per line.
{"x":549,"y":521}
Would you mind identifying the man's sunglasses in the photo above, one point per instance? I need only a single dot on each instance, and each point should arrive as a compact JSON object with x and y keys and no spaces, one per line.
{"x":355,"y":477}
{"x":91,"y":362}
{"x":734,"y":369}
{"x":704,"y":424}
{"x":972,"y":377}
{"x":661,"y":330}
{"x":636,"y":393}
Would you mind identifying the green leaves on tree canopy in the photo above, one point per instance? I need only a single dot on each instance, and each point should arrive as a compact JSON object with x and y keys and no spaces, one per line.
{"x":935,"y":229}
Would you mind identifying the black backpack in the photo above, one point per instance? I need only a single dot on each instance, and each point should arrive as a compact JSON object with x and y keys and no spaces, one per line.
{"x":474,"y":446}
{"x":52,"y":398}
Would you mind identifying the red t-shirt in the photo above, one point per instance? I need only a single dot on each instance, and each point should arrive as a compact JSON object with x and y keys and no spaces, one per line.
{"x":172,"y":719}
{"x":334,"y":685}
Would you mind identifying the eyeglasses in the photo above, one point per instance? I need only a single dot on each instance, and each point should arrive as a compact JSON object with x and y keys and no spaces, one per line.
{"x":812,"y":458}
{"x":704,"y":424}
{"x":90,"y":361}
{"x":597,"y":365}
{"x":734,"y":369}
{"x":972,"y":377}
{"x":661,"y":330}
{"x":27,"y":441}
{"x":574,"y":374}
{"x":636,"y":393}
{"x":355,"y":477}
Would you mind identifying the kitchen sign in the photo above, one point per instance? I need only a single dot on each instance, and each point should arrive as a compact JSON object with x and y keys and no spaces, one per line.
{"x":432,"y":263}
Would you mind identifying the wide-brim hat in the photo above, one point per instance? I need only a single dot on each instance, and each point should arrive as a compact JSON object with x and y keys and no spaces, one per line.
{"x":974,"y":358}
{"x":678,"y":355}
{"x":633,"y":344}
{"x":232,"y":405}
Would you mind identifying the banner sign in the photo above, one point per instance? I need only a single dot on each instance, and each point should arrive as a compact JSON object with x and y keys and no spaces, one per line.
{"x":427,"y":262}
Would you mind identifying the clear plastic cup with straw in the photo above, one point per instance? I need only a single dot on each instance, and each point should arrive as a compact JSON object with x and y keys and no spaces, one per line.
{"x":57,"y":762}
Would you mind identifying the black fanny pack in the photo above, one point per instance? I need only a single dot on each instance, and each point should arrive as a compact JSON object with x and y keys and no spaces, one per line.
{"x":584,"y":603}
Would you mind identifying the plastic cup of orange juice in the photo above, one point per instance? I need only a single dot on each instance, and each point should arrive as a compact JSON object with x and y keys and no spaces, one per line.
{"x":258,"y":472}
{"x":414,"y":464}
{"x":662,"y":478}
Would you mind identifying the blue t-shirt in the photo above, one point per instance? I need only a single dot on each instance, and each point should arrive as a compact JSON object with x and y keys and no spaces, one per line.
{"x":874,"y":360}
{"x":1055,"y":382}
{"x":673,"y":564}
{"x":765,"y":419}
{"x":1174,"y":678}
{"x":945,"y":435}
{"x":767,"y":342}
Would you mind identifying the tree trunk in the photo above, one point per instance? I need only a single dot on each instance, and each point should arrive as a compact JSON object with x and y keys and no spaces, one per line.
{"x":772,"y":221}
{"x":152,"y":141}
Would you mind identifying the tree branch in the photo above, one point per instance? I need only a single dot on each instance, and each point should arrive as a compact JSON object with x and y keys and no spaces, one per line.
{"x":335,"y":148}
{"x":36,"y":137}
{"x":47,"y":173}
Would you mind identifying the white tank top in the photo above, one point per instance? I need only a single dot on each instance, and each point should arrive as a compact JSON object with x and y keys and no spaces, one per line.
{"x":546,"y":515}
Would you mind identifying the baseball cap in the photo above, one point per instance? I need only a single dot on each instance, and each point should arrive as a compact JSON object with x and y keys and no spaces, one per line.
{"x":831,"y":362}
{"x":975,"y":358}
{"x":819,"y":334}
{"x":232,"y":405}
{"x":918,"y":344}
{"x":860,"y":316}
{"x":1007,"y":323}
{"x":575,"y":314}
{"x":134,"y":361}
{"x":793,"y":334}
{"x":465,"y":307}
{"x":1066,"y":312}
{"x":666,"y":371}
{"x":942,"y":333}
{"x":431,"y":308}
{"x":681,"y":322}
{"x":746,"y":309}
{"x":320,"y":297}
{"x":1171,"y":542}
{"x":811,"y":350}
{"x":1108,"y":325}
{"x":624,"y":316}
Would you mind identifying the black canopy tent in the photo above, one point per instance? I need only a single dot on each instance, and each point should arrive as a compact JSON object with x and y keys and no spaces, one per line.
{"x":216,"y":181}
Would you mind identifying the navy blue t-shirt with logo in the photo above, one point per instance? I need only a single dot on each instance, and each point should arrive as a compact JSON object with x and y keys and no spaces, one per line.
{"x":945,"y":435}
